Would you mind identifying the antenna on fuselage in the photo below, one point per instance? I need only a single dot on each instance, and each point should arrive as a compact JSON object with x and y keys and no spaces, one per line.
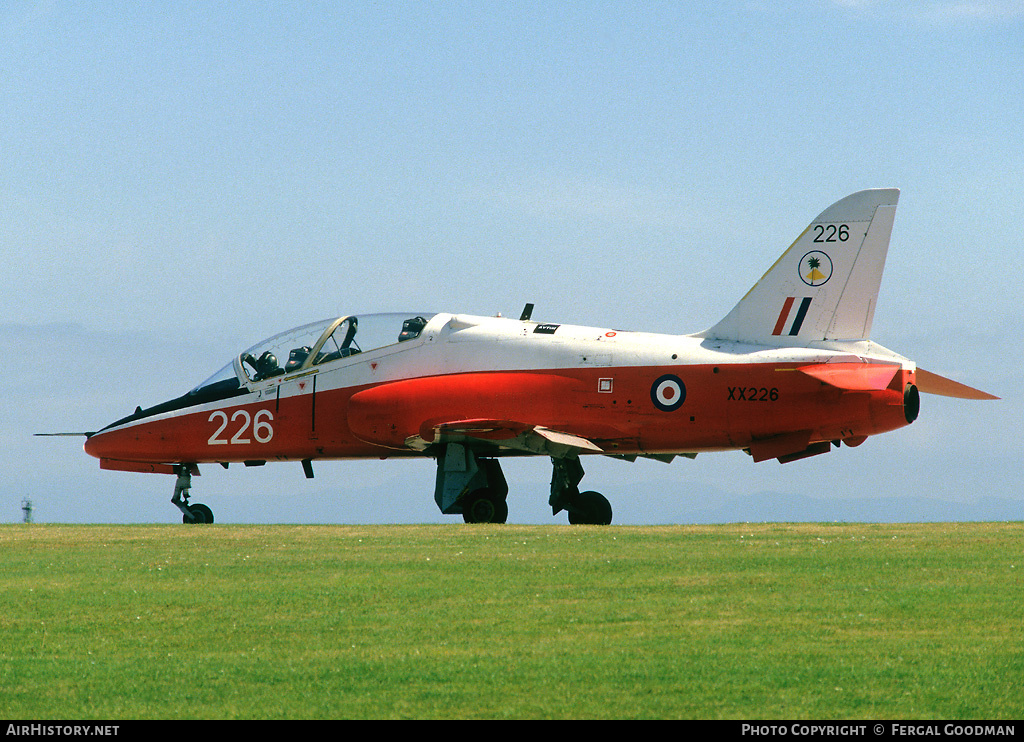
{"x":527,"y":313}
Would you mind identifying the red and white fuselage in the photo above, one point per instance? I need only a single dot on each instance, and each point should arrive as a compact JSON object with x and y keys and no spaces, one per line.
{"x":787,"y":374}
{"x":494,"y":379}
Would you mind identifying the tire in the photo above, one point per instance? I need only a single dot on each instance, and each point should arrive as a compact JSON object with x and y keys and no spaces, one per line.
{"x":590,"y":509}
{"x":483,"y":506}
{"x":200,"y":513}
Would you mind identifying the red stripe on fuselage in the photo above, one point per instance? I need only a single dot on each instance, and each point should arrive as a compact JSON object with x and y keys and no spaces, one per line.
{"x":726,"y":406}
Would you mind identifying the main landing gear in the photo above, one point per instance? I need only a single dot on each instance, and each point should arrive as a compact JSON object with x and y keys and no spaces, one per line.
{"x":470,"y":485}
{"x":476,"y":488}
{"x":196,"y":512}
{"x":584,"y":508}
{"x":485,"y":506}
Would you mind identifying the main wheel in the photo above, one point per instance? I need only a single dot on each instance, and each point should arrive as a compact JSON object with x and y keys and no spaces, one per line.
{"x":591,"y":509}
{"x":484,"y":506}
{"x":200,"y":513}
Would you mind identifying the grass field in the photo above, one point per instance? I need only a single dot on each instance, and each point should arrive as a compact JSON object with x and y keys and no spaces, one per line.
{"x":804,"y":621}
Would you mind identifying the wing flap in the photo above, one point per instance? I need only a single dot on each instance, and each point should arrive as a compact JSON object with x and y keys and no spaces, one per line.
{"x":503,"y":434}
{"x":567,"y":439}
{"x":495,"y":430}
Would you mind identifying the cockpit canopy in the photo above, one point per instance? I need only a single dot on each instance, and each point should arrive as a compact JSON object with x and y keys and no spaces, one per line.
{"x":315,"y":344}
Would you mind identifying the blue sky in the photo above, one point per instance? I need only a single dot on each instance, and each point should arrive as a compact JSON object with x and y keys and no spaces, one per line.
{"x":180,"y":180}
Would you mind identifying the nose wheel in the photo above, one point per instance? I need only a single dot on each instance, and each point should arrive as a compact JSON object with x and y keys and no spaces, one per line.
{"x":190,"y":513}
{"x":198,"y":513}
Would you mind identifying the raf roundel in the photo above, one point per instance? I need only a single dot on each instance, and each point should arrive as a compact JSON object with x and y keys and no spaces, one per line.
{"x":668,"y":393}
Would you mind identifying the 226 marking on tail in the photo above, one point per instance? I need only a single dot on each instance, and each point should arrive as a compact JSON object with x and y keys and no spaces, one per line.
{"x":793,"y":362}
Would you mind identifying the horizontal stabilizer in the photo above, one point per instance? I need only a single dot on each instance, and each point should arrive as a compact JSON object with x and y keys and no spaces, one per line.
{"x":934,"y":384}
{"x":852,"y":376}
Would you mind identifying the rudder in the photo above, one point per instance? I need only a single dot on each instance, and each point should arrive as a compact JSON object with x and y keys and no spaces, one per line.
{"x":825,"y":286}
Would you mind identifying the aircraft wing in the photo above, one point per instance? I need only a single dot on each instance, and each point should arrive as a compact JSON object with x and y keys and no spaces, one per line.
{"x":503,"y":434}
{"x":495,"y":412}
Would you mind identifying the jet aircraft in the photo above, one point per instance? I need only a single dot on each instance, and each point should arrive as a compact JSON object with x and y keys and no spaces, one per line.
{"x":789,"y":373}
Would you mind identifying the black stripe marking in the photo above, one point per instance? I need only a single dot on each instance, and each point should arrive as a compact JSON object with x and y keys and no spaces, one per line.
{"x":805,"y":304}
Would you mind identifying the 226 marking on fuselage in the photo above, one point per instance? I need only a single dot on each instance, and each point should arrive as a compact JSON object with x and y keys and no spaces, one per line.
{"x":262,"y":428}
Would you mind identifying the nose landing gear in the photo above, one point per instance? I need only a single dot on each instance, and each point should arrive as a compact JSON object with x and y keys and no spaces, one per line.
{"x":196,"y":512}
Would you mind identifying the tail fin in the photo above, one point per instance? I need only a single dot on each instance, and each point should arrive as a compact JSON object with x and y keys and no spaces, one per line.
{"x":824,"y":287}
